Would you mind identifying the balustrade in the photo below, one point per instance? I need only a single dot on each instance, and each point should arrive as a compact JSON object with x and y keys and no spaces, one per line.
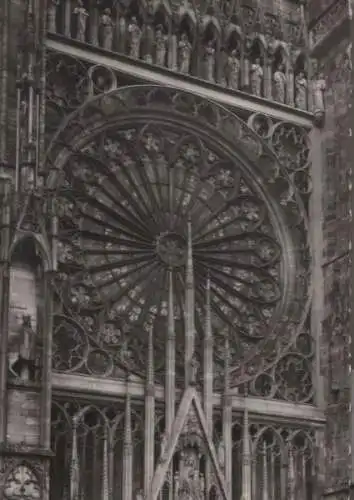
{"x":226,"y":50}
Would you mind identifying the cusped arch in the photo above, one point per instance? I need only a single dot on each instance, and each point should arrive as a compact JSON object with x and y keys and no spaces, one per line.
{"x":227,"y":140}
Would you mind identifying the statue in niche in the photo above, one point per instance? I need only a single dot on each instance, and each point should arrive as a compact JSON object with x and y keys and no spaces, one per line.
{"x":28,"y":352}
{"x":185,"y":49}
{"x":318,"y":93}
{"x":256,"y":77}
{"x":106,"y":24}
{"x":221,"y":454}
{"x":194,"y":368}
{"x":139,"y":495}
{"x":163,"y":447}
{"x":52,"y":15}
{"x":279,"y":79}
{"x":135,"y":37}
{"x":81,"y":16}
{"x":301,"y":91}
{"x":210,"y":61}
{"x":234,"y":67}
{"x":161,"y":43}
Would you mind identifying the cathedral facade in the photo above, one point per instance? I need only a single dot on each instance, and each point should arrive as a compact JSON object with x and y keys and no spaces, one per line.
{"x":175,"y":250}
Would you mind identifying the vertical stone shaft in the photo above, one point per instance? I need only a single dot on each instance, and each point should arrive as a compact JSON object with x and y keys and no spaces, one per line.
{"x":105,"y":468}
{"x":46,"y":334}
{"x":5,"y":217}
{"x":208,"y":377}
{"x":189,"y":311}
{"x":127,"y":485}
{"x":4,"y":47}
{"x":170,"y":385}
{"x":227,"y":421}
{"x":74,"y":466}
{"x":291,"y":475}
{"x":149,"y":448}
{"x":246,"y":458}
{"x":265,"y":473}
{"x":170,"y":358}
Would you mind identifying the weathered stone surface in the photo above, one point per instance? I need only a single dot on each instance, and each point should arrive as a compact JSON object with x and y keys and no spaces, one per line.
{"x":337,"y":265}
{"x":24,"y":418}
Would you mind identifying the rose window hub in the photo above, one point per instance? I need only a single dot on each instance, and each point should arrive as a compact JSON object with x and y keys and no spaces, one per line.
{"x":171,"y":248}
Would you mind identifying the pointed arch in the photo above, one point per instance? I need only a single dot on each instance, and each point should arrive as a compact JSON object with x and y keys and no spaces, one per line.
{"x":163,"y":15}
{"x":208,"y":21}
{"x":233,"y":35}
{"x":188,"y":24}
{"x":282,"y":56}
{"x":259,"y":46}
{"x":39,"y":244}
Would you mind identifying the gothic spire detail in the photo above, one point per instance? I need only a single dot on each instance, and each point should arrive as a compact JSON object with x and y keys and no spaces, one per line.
{"x":208,"y":361}
{"x":170,"y":356}
{"x":149,"y":413}
{"x":189,"y":414}
{"x":189,"y":314}
{"x":246,"y":456}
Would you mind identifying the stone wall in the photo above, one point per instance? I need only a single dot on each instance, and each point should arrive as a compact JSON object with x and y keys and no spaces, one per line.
{"x":337,"y":265}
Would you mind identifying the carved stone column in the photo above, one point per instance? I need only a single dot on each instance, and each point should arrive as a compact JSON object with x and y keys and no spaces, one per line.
{"x":172,"y":46}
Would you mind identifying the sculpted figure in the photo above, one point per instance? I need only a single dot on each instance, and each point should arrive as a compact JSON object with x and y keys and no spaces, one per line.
{"x":163,"y":446}
{"x":52,"y":15}
{"x":161,"y":42}
{"x":29,"y":344}
{"x":194,"y":368}
{"x":301,"y":91}
{"x":107,"y":29}
{"x":256,"y":77}
{"x":279,"y":79}
{"x":221,"y":454}
{"x":318,"y":93}
{"x":210,"y":61}
{"x":234,"y":67}
{"x":185,"y":49}
{"x":82,"y":16}
{"x":139,"y":495}
{"x":135,"y":37}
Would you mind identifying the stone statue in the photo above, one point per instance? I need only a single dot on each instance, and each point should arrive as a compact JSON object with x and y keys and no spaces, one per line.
{"x":210,"y":62}
{"x":318,"y":93}
{"x":82,"y":16}
{"x":256,"y":78}
{"x":194,"y":367}
{"x":163,"y":447}
{"x":185,"y":49}
{"x":107,"y":29}
{"x":202,"y":484}
{"x":279,"y":79}
{"x":27,"y":362}
{"x":301,"y":91}
{"x":221,"y":454}
{"x":234,"y":67}
{"x":160,"y":42}
{"x":52,"y":15}
{"x":139,"y":495}
{"x":135,"y":37}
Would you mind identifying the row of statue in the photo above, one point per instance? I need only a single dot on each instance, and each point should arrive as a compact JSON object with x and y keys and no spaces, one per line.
{"x":276,"y":81}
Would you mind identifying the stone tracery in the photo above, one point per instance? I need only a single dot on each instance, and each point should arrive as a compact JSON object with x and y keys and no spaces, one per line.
{"x":161,"y":198}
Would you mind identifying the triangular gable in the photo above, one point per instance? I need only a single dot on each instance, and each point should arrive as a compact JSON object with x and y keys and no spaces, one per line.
{"x":190,"y":398}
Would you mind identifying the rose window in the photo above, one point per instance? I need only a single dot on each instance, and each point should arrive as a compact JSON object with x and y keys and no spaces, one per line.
{"x":127,"y":196}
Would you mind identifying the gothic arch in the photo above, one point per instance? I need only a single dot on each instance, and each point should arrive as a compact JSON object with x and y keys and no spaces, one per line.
{"x":163,"y":118}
